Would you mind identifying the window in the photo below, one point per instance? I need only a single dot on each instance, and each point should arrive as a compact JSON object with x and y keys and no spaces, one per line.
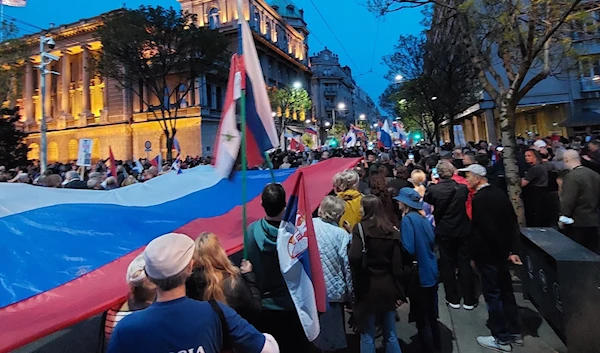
{"x":213,"y":18}
{"x":256,"y":20}
{"x":219,"y":98}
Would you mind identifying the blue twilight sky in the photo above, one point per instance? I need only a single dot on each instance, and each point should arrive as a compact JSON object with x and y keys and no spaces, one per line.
{"x":361,"y":35}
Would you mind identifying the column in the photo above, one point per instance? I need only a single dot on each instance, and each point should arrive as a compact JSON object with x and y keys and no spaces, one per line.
{"x":490,"y":126}
{"x":29,"y":111}
{"x":85,"y":74}
{"x":65,"y":74}
{"x":104,"y":113}
{"x":476,"y":127}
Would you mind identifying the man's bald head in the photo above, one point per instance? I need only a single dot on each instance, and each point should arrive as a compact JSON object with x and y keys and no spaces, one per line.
{"x":572,"y":159}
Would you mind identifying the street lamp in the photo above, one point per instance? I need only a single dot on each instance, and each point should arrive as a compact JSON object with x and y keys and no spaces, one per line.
{"x":297,"y":85}
{"x":327,"y":124}
{"x":362,"y":117}
{"x":342,"y":106}
{"x":274,"y":114}
{"x":45,"y":60}
{"x":399,"y":78}
{"x":308,"y":121}
{"x":433,"y":98}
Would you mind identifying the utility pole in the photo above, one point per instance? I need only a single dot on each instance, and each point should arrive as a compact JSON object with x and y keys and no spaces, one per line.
{"x":45,"y":59}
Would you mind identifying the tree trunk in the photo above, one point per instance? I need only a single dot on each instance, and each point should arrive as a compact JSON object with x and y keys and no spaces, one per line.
{"x":169,"y":147}
{"x":436,"y":134}
{"x":451,"y":127}
{"x":511,"y":173}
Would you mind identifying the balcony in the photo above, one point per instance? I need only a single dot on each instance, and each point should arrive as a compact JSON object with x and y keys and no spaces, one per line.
{"x":590,"y":84}
{"x":330,"y":93}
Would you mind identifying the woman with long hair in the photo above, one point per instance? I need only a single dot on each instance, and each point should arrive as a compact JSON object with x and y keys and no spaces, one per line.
{"x":375,"y":257}
{"x":379,"y":187}
{"x":215,"y":277}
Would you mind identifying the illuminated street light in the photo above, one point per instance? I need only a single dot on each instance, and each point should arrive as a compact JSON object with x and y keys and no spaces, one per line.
{"x":297,"y":85}
{"x":327,"y":123}
{"x":274,"y":114}
{"x":399,"y":78}
{"x":308,"y":121}
{"x":433,"y":98}
{"x":362,"y":117}
{"x":375,"y":126}
{"x":342,"y":106}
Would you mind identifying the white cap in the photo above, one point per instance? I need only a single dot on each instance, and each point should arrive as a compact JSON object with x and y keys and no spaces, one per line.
{"x":539,"y":144}
{"x":168,"y":255}
{"x":135,"y":272}
{"x":476,"y":169}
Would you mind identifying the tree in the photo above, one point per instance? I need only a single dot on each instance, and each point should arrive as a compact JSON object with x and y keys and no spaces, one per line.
{"x":13,"y":150}
{"x":290,"y":103}
{"x":158,"y":54}
{"x":12,"y":54}
{"x":513,"y":45}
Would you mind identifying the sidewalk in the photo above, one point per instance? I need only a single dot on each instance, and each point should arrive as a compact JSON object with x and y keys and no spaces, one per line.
{"x":460,"y":329}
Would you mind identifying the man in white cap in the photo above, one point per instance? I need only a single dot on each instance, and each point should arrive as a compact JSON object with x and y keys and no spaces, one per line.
{"x":176,"y":323}
{"x":494,"y":232}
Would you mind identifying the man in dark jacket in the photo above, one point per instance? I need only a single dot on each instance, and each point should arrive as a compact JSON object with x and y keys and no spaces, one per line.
{"x":494,"y":232}
{"x":579,"y":199}
{"x":73,"y":181}
{"x":451,"y":230}
{"x":277,"y":303}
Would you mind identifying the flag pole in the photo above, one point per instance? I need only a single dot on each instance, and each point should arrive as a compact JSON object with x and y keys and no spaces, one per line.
{"x":244,"y":158}
{"x":270,"y":165}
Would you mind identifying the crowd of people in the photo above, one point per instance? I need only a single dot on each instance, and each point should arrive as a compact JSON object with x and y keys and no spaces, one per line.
{"x":394,"y":228}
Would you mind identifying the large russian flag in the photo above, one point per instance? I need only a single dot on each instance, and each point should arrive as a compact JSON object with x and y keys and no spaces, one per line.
{"x":65,"y":252}
{"x":385,"y":135}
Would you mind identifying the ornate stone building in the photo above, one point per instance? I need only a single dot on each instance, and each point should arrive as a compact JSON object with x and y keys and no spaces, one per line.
{"x":333,"y":84}
{"x":79,"y":105}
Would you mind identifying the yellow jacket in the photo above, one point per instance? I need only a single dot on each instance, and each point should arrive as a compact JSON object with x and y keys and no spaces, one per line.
{"x":352,"y":210}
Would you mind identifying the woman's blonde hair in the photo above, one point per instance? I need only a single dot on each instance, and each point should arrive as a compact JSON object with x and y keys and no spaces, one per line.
{"x":348,"y":179}
{"x":418,"y":179}
{"x":210,"y":257}
{"x":332,"y":209}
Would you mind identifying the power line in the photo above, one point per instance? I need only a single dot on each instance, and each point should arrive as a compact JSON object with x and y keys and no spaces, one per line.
{"x":16,"y":20}
{"x":334,"y":35}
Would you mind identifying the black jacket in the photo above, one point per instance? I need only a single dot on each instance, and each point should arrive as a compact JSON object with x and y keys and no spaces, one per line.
{"x":448,"y":199}
{"x":378,"y":286}
{"x":580,"y":196}
{"x":494,"y":226}
{"x":75,"y":184}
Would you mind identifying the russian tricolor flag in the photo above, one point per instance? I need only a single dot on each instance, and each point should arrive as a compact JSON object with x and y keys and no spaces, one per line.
{"x":299,"y":260}
{"x":385,"y":135}
{"x":310,"y":130}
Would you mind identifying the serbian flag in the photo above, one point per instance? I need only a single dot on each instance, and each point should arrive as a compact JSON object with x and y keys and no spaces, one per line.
{"x":228,"y":142}
{"x":350,"y":139}
{"x":299,"y":260}
{"x":310,"y":130}
{"x":261,"y":134}
{"x":157,"y":162}
{"x":113,"y":164}
{"x":14,"y":3}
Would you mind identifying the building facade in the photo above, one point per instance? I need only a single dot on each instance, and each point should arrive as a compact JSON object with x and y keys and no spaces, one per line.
{"x":80,"y":105}
{"x":565,"y":103}
{"x":332,"y":84}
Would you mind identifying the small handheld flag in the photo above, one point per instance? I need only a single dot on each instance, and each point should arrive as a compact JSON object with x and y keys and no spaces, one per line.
{"x":113,"y":164}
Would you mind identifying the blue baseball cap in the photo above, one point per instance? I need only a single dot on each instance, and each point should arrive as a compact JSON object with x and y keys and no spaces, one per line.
{"x":411,"y":198}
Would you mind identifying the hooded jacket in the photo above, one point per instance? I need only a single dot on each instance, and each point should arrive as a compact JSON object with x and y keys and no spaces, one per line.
{"x":262,"y":253}
{"x":352,"y":209}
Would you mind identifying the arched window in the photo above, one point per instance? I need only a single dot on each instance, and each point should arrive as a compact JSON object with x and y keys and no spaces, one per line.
{"x":34,"y":152}
{"x":52,"y":152}
{"x":73,"y":149}
{"x":213,"y":18}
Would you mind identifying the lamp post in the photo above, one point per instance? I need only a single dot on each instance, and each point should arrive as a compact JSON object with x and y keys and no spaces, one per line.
{"x":361,"y":117}
{"x":340,"y":106}
{"x":45,"y":59}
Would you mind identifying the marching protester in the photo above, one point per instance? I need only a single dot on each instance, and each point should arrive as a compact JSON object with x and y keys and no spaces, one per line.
{"x":494,"y":233}
{"x":333,"y":244}
{"x":378,"y":275}
{"x":277,"y":304}
{"x":418,"y":239}
{"x":215,"y":277}
{"x":449,"y":199}
{"x":204,"y":326}
{"x":579,"y":199}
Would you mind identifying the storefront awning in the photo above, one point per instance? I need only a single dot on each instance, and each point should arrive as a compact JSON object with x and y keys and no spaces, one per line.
{"x":585,"y":118}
